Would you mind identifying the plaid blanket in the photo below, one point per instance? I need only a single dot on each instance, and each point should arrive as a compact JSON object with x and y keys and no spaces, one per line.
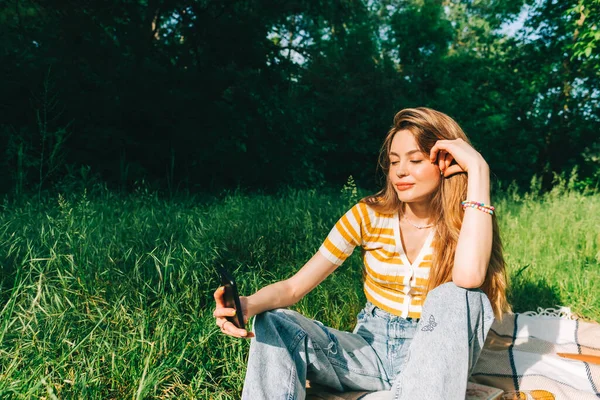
{"x":520,"y":353}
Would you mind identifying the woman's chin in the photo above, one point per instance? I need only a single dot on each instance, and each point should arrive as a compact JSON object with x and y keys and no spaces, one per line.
{"x":404,"y":197}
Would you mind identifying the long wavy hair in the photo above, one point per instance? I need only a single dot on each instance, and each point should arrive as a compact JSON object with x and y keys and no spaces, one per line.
{"x":429,"y":126}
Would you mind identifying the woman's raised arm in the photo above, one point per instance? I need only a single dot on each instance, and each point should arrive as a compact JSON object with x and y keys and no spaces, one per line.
{"x":474,"y":246}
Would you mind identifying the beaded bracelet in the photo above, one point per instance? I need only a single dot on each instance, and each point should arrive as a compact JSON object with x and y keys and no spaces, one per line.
{"x":479,"y":206}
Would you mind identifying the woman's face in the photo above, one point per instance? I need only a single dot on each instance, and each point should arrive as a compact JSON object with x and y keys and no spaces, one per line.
{"x":413,"y":176}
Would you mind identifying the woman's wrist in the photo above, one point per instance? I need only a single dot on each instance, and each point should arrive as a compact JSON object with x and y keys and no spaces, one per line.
{"x":479,"y":167}
{"x":251,"y":309}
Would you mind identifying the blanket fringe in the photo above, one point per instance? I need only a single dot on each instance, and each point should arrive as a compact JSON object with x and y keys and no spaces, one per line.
{"x":561,"y":312}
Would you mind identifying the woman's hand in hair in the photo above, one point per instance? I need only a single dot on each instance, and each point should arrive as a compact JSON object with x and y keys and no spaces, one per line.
{"x":456,"y":156}
{"x":222,"y":312}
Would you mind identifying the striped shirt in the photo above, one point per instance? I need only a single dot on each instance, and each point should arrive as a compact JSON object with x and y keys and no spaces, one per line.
{"x":391,"y":281}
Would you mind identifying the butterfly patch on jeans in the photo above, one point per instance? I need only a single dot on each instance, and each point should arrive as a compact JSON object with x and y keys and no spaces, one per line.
{"x":430,"y":325}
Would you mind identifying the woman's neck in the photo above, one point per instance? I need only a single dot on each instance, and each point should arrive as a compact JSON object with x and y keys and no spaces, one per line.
{"x":418,"y":212}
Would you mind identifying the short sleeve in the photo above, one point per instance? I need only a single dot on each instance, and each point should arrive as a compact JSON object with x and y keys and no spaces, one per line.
{"x":344,"y":237}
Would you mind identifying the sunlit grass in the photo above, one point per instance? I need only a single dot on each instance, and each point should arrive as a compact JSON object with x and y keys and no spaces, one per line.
{"x":109,"y":296}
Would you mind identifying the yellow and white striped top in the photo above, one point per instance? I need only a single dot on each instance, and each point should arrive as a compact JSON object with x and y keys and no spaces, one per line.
{"x":391,"y":283}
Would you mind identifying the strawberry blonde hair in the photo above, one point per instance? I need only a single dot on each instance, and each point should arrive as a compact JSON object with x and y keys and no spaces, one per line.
{"x":428,"y":126}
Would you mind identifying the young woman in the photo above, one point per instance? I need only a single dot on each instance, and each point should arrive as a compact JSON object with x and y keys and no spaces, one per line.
{"x":434,"y":278}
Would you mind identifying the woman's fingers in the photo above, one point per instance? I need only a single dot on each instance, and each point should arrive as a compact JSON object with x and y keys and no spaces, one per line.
{"x":434,"y":155}
{"x":447,"y":160}
{"x":444,"y":160}
{"x":452,"y":170}
{"x":450,"y":153}
{"x":440,"y":160}
{"x":440,"y":154}
{"x":218,"y":295}
{"x":224,"y":312}
{"x":232,"y":330}
{"x":447,"y":151}
{"x":441,"y":150}
{"x":228,"y":328}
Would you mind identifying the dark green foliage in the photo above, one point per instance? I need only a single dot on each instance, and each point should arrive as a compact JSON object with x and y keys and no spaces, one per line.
{"x":210,"y":95}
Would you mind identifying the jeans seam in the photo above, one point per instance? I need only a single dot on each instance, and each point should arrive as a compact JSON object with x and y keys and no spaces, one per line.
{"x":397,"y":381}
{"x":291,"y":382}
{"x":293,"y":372}
{"x":299,"y":336}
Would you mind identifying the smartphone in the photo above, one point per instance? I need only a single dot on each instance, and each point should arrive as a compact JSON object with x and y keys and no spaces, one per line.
{"x":231,"y":297}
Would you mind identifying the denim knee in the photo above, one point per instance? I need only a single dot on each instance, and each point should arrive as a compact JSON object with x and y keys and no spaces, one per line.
{"x":448,"y":293}
{"x":278,"y":326}
{"x":271,"y":318}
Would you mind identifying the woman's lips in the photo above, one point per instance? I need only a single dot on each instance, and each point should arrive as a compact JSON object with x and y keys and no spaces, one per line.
{"x":404,"y":186}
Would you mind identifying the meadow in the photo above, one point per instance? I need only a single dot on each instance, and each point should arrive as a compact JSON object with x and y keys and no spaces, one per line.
{"x":109,"y":296}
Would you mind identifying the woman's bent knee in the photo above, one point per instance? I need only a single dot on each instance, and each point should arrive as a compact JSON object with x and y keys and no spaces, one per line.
{"x":446,"y":291}
{"x":449,"y":293}
{"x":277,"y":321}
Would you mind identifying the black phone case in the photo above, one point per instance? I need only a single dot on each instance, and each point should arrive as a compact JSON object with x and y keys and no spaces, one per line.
{"x":232,"y":298}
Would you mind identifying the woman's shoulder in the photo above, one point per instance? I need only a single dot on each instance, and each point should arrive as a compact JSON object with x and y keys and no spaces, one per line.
{"x":372,"y":210}
{"x":377,"y":205}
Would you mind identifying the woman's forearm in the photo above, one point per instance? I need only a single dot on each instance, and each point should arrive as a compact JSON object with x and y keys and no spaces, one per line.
{"x":276,"y":295}
{"x":474,"y":245}
{"x":290,"y":291}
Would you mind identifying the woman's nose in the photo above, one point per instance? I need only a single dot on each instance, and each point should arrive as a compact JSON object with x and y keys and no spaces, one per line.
{"x":400,"y":171}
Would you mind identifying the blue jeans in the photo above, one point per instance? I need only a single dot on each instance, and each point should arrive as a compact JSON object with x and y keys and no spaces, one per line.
{"x":431,"y":358}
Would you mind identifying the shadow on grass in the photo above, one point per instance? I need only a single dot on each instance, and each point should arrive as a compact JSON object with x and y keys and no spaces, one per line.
{"x":527,"y":293}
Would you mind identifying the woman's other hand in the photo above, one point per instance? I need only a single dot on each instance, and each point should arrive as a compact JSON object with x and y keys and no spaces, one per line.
{"x":222,"y":312}
{"x":466,"y":157}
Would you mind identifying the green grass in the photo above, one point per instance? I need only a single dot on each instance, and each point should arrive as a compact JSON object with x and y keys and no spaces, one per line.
{"x":110,"y":296}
